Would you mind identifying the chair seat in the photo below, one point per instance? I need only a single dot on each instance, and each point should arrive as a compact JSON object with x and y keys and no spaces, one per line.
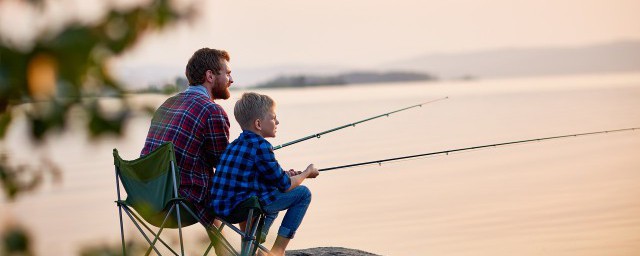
{"x":240,"y":212}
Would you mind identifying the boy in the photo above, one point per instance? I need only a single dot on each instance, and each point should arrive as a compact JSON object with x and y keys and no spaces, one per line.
{"x":248,"y":168}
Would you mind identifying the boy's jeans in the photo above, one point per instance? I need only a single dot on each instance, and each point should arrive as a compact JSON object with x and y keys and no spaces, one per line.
{"x":296,"y":203}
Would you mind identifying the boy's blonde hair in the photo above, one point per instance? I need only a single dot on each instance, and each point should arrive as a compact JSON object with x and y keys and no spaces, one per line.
{"x":250,"y":107}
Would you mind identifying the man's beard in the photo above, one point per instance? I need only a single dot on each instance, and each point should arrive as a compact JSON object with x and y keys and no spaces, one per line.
{"x":220,"y":92}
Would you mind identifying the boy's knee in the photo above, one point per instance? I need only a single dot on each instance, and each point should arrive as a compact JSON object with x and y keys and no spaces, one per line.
{"x":305,"y":193}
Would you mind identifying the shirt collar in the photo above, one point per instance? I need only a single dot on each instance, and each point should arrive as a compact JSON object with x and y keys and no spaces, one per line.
{"x":198,"y":89}
{"x":253,"y":136}
{"x":248,"y":133}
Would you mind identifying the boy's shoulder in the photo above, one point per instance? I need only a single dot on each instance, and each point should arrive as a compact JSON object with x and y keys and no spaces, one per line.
{"x":252,"y":140}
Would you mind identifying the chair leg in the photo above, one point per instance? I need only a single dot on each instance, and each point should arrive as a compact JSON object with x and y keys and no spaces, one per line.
{"x":216,"y":236}
{"x":264,"y":249}
{"x":175,"y":194}
{"x":223,"y":240}
{"x":246,"y":239}
{"x":208,"y":249}
{"x":143,"y":233}
{"x":127,"y":210}
{"x":258,"y":234}
{"x":180,"y":230}
{"x":253,"y":243}
{"x":124,"y":248}
{"x":213,"y":233}
{"x":157,"y":235}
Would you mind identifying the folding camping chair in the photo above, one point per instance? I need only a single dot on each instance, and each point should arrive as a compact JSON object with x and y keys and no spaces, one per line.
{"x":151,"y":183}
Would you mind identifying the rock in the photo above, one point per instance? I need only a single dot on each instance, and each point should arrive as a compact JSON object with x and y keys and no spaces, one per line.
{"x":328,"y":251}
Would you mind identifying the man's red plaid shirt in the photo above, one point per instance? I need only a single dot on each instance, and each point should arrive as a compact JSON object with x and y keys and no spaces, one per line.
{"x":199,"y":130}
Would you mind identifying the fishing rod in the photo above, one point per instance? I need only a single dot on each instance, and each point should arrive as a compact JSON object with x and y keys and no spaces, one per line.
{"x":446,"y":152}
{"x":317,"y":135}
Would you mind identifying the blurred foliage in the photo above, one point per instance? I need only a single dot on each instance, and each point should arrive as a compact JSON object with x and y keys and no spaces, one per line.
{"x":21,"y":178}
{"x":15,"y":242}
{"x":132,"y":248}
{"x":68,"y":69}
{"x":63,"y":69}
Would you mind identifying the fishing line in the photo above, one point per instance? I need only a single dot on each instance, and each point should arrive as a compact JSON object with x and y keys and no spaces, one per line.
{"x":447,"y":152}
{"x":318,"y":135}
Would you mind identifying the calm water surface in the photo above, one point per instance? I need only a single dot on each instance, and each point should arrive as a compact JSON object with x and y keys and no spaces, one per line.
{"x":576,"y":196}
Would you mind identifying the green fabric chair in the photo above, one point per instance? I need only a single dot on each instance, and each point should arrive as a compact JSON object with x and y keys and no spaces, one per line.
{"x":151,"y":183}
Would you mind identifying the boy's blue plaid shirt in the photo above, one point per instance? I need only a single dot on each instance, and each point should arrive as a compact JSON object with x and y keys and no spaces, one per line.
{"x":247,"y":168}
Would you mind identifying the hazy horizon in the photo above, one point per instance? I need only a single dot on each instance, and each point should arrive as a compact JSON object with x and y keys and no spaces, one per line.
{"x":615,"y":56}
{"x":355,"y":34}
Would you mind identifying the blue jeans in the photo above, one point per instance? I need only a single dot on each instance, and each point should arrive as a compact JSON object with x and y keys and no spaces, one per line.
{"x":296,"y":203}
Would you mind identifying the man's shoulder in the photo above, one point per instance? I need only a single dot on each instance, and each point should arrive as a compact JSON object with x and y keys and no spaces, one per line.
{"x":196,"y":102}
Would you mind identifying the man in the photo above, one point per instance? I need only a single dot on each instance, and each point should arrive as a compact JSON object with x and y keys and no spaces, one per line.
{"x":197,"y":126}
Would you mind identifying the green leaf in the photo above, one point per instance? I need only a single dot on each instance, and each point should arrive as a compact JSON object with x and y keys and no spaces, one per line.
{"x":5,"y":120}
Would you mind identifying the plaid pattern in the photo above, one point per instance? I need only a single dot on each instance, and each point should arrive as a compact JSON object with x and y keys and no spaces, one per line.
{"x":199,"y":130}
{"x":247,"y":168}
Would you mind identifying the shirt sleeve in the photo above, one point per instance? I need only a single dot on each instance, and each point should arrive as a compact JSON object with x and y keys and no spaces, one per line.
{"x":216,"y":136}
{"x":269,"y":169}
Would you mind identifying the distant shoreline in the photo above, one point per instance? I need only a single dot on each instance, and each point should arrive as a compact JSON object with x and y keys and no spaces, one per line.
{"x":351,"y":78}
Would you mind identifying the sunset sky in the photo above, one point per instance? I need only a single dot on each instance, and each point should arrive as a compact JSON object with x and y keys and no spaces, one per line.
{"x":356,"y":33}
{"x":363,"y":32}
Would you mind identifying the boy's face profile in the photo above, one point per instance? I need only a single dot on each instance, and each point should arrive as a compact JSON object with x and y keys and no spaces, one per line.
{"x":267,"y":125}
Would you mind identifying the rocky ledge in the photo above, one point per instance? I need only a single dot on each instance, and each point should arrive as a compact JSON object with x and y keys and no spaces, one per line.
{"x":329,"y":251}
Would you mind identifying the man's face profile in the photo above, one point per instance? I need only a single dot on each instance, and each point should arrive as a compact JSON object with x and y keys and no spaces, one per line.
{"x":221,"y":82}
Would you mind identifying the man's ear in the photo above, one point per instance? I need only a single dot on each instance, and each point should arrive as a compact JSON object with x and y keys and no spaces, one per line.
{"x":211,"y":76}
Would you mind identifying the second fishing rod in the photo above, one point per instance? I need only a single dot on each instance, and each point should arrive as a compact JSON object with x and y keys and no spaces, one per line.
{"x":450,"y":151}
{"x":318,"y":135}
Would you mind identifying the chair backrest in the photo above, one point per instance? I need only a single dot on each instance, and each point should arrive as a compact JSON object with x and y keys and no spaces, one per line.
{"x":149,"y":183}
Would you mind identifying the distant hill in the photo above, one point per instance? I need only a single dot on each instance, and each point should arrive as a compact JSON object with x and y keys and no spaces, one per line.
{"x":612,"y":57}
{"x":508,"y":62}
{"x":345,"y":78}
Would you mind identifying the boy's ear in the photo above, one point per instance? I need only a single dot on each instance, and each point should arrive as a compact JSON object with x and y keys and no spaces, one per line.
{"x":257,"y":124}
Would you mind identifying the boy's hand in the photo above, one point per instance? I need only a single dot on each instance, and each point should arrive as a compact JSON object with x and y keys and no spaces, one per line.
{"x":293,"y":172}
{"x":296,"y":180}
{"x":313,"y":171}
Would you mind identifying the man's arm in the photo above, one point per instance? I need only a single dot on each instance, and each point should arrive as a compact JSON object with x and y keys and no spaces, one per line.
{"x":216,"y":136}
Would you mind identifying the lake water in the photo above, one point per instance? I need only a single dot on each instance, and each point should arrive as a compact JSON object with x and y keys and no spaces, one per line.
{"x":575,"y":196}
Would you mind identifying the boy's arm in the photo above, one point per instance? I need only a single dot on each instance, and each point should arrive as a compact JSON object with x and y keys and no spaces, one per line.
{"x":273,"y":173}
{"x":310,"y":172}
{"x":292,"y":172}
{"x":270,"y":172}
